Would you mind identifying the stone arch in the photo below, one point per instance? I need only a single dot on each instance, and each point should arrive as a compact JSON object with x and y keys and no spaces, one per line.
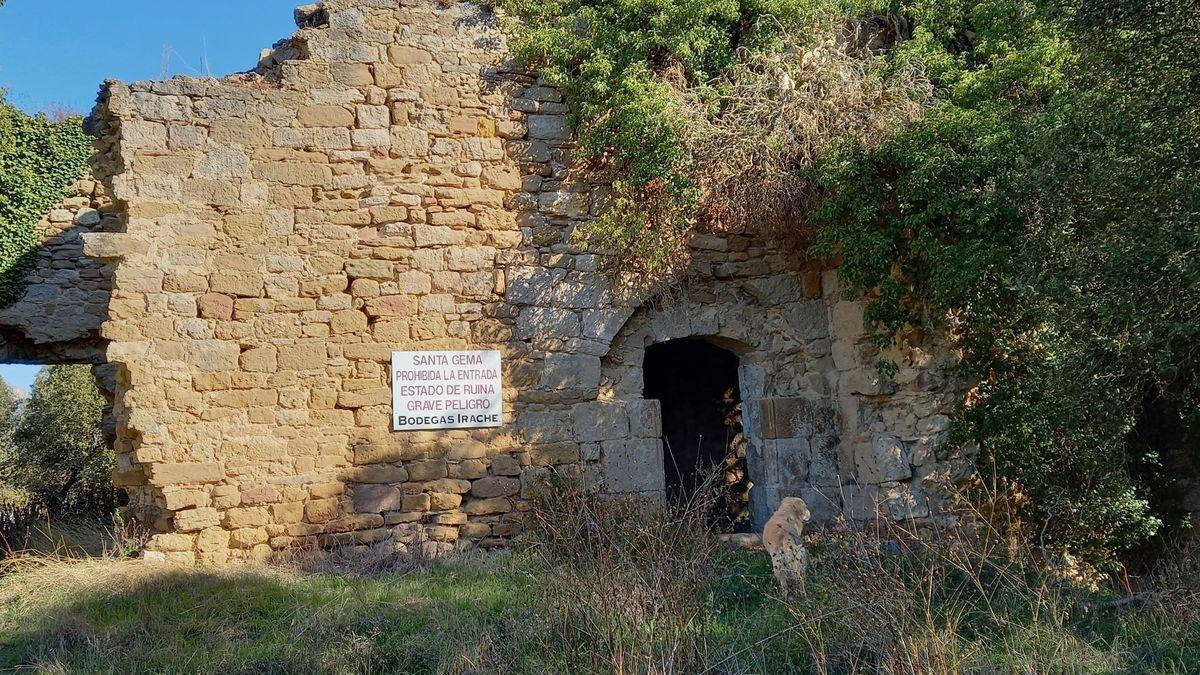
{"x":779,"y":359}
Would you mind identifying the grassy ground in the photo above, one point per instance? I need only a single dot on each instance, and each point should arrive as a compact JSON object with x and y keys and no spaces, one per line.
{"x":598,"y":588}
{"x":481,"y":615}
{"x":123,"y":617}
{"x":471,"y":615}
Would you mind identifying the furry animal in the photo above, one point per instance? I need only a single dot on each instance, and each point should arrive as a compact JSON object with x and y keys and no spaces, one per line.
{"x":783,"y":537}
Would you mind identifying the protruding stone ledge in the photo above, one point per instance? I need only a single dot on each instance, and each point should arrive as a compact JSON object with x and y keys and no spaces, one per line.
{"x":112,"y":245}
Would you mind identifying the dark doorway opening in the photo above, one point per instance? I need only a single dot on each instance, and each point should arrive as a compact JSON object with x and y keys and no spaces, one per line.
{"x":697,"y":384}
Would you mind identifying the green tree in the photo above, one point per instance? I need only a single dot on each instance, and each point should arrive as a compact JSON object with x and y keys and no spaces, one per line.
{"x":59,"y":454}
{"x":1050,"y":204}
{"x":8,"y":410}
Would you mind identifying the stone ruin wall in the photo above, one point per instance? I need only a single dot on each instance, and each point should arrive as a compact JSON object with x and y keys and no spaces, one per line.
{"x":57,"y":318}
{"x":389,"y":181}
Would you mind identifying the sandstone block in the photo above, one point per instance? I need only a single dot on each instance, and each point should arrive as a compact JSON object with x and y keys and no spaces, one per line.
{"x":377,"y":499}
{"x":226,"y":496}
{"x":111,"y":245}
{"x":325,"y":116}
{"x":601,"y":421}
{"x":348,"y":321}
{"x":403,"y":56}
{"x":213,"y":355}
{"x":427,"y":470}
{"x":326,"y":490}
{"x":474,"y":530}
{"x":467,"y":450}
{"x":143,"y":135}
{"x":194,"y":520}
{"x":321,"y":510}
{"x":409,"y":142}
{"x":860,"y":502}
{"x":469,"y":469}
{"x":293,"y":173}
{"x":185,"y":499}
{"x":506,"y":465}
{"x":245,"y":517}
{"x":215,"y":306}
{"x":570,"y":373}
{"x":261,"y":360}
{"x":186,"y":473}
{"x":247,"y":538}
{"x":548,"y":127}
{"x":302,"y":357}
{"x":547,"y":323}
{"x":440,"y":501}
{"x":633,"y":465}
{"x":487,"y":507}
{"x":364,"y":398}
{"x":887,"y":458}
{"x":371,"y":138}
{"x":288,"y":513}
{"x":565,"y":204}
{"x":260,"y":494}
{"x":417,"y":502}
{"x":553,"y":454}
{"x":171,"y":542}
{"x":495,"y":486}
{"x":239,"y":283}
{"x":212,"y":539}
{"x":371,"y":269}
{"x":645,"y":418}
{"x":379,"y":473}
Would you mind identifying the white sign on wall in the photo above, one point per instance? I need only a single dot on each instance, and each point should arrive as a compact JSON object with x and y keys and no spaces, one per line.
{"x":446,"y":390}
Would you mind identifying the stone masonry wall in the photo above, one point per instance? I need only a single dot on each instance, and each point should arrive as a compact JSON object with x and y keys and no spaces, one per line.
{"x":57,"y":318}
{"x":385,"y":181}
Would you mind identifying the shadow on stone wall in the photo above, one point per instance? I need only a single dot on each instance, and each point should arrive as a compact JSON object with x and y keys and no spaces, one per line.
{"x":58,"y":317}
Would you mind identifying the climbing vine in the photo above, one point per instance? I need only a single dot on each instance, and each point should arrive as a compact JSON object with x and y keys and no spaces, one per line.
{"x":39,"y":160}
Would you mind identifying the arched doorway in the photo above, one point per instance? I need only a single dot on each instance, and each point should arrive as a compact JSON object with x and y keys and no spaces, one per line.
{"x":697,"y":384}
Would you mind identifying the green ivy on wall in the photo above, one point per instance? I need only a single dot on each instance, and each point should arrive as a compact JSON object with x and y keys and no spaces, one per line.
{"x":39,"y":160}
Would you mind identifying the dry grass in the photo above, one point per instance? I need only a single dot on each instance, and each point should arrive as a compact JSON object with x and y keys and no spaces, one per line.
{"x":780,"y":110}
{"x":74,"y":538}
{"x":629,"y":584}
{"x":981,"y":598}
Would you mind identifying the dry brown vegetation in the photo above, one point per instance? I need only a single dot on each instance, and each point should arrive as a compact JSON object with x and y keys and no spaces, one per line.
{"x":778,"y":111}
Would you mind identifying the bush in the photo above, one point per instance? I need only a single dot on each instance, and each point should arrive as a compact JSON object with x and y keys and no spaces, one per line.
{"x":8,"y":413}
{"x":628,"y":586}
{"x":984,"y":600}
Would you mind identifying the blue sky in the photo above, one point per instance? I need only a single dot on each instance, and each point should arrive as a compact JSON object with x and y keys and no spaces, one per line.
{"x":55,"y":53}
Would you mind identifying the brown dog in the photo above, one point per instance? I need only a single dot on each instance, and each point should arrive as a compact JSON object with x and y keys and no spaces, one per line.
{"x":783,"y":537}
